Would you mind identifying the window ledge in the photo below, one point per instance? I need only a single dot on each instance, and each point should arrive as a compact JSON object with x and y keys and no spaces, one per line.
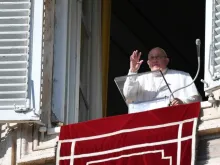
{"x":209,"y":119}
{"x":39,"y":157}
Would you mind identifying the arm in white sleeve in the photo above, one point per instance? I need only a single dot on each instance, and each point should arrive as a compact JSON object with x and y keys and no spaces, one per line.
{"x":191,"y":92}
{"x":131,"y":87}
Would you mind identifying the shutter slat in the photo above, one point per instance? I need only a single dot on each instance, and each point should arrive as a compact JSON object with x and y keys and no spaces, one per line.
{"x":218,"y":8}
{"x":14,"y":50}
{"x":4,"y":107}
{"x":13,"y":57}
{"x":12,"y":42}
{"x":15,"y":13}
{"x":217,"y":37}
{"x":14,"y":28}
{"x":13,"y":64}
{"x":13,"y":25}
{"x":217,"y":67}
{"x":14,"y":5}
{"x":12,"y":94}
{"x":13,"y":79}
{"x":22,"y":20}
{"x":217,"y":30}
{"x":13,"y":72}
{"x":13,"y":87}
{"x":217,"y":15}
{"x":12,"y":11}
{"x":14,"y":36}
{"x":217,"y":22}
{"x":12,"y":102}
{"x":14,"y":32}
{"x":217,"y":59}
{"x":217,"y":52}
{"x":15,"y":17}
{"x":217,"y":45}
{"x":6,"y":2}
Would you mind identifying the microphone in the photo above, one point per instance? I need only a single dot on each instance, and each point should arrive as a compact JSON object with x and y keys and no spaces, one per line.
{"x":198,"y":43}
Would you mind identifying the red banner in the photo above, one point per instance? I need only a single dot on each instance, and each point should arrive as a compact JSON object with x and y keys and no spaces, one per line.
{"x":165,"y":136}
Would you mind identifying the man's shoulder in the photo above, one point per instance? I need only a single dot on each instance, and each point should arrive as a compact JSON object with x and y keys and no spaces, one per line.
{"x":179,"y":72}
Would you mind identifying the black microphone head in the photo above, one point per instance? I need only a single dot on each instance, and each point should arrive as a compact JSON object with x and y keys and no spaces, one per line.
{"x":198,"y":42}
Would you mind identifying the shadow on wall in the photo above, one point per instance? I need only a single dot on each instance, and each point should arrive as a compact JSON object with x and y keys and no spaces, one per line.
{"x":8,"y":145}
{"x":208,"y":148}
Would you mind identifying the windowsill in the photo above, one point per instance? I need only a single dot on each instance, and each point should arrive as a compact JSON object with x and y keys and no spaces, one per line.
{"x":209,"y":119}
{"x":38,"y":157}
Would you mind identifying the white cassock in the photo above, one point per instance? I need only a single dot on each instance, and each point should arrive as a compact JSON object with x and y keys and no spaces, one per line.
{"x":151,"y":88}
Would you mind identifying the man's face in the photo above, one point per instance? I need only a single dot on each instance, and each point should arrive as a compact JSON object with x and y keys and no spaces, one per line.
{"x":157,"y":59}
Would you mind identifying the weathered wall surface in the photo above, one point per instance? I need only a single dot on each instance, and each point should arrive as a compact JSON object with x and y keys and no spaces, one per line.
{"x":22,"y":144}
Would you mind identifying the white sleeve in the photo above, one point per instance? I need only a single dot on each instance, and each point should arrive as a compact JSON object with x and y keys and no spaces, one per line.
{"x":191,"y":92}
{"x":131,"y":86}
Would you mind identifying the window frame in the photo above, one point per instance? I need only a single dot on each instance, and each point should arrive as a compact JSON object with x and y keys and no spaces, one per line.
{"x":65,"y":97}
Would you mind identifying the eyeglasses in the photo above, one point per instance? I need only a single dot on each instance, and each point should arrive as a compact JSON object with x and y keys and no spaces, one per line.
{"x":156,"y":57}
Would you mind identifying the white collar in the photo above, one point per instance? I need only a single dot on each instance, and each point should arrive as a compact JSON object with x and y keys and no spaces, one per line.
{"x":158,"y":74}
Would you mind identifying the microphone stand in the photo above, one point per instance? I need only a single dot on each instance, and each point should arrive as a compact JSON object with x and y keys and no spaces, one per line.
{"x":166,"y":83}
{"x":198,"y":43}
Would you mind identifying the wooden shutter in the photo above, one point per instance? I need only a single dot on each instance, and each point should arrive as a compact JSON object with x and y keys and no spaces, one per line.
{"x":212,"y":45}
{"x":20,"y":63}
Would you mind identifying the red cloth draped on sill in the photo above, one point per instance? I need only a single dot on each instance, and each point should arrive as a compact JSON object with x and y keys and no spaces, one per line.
{"x":164,"y":136}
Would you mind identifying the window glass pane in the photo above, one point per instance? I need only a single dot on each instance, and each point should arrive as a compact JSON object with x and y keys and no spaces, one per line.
{"x":84,"y":75}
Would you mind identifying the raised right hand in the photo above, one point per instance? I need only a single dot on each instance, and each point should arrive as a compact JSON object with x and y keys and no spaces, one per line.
{"x":135,"y":62}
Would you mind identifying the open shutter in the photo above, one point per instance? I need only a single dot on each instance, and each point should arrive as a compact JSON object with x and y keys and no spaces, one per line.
{"x":215,"y":57}
{"x":20,"y":59}
{"x":212,"y":45}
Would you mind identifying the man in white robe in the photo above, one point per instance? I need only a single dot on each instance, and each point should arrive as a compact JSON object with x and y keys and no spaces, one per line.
{"x":152,"y":86}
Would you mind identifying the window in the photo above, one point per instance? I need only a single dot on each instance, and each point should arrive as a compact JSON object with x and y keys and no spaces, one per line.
{"x":212,"y":46}
{"x":20,"y":60}
{"x":77,"y":61}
